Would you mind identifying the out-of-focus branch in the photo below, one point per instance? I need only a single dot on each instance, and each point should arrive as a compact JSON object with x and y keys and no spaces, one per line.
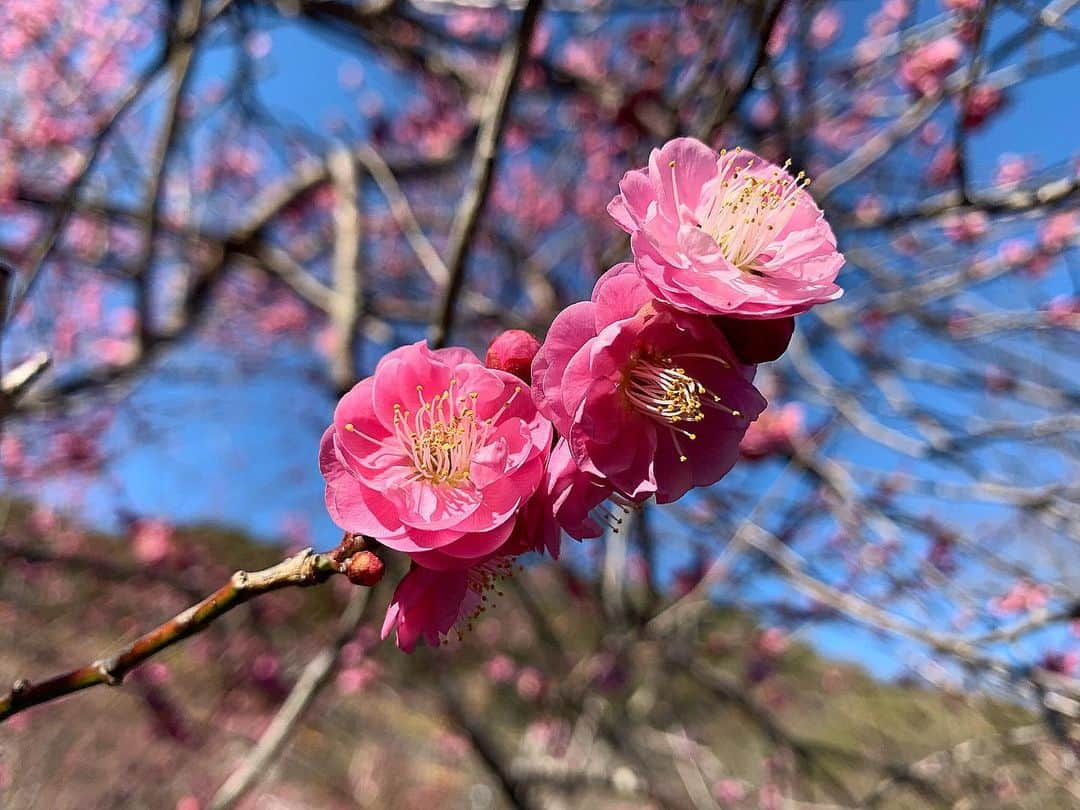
{"x":863,"y":611}
{"x":495,"y":114}
{"x":347,"y":271}
{"x":876,"y":147}
{"x":993,"y":201}
{"x":402,"y":212}
{"x":280,"y":263}
{"x":301,"y":570}
{"x":178,"y":77}
{"x":945,"y":761}
{"x":561,"y":773}
{"x":17,"y":382}
{"x":14,"y":383}
{"x":312,"y":681}
{"x":735,"y":95}
{"x":485,"y":748}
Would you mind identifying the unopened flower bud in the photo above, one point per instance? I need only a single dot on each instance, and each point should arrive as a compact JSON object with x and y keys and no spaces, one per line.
{"x":513,"y":351}
{"x":364,"y":568}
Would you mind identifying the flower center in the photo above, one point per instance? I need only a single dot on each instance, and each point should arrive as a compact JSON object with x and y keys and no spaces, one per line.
{"x":442,"y":437}
{"x":666,"y":391}
{"x":747,"y":212}
{"x":668,"y":394}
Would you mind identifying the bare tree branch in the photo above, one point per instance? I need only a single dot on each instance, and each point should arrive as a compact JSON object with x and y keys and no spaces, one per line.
{"x":302,"y":570}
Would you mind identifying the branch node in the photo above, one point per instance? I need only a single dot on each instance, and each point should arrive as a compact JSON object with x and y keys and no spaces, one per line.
{"x":107,"y":668}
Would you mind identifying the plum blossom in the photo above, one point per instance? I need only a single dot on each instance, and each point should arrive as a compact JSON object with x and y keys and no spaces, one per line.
{"x":726,"y":234}
{"x":775,"y":432}
{"x":434,"y":455}
{"x":1024,"y":596}
{"x":966,"y":227}
{"x":825,"y":27}
{"x":1059,"y":231}
{"x":624,"y":365}
{"x":981,"y":102}
{"x":923,"y":70}
{"x":573,"y":496}
{"x":432,"y":604}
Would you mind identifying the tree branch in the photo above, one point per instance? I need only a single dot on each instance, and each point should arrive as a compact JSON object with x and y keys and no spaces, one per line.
{"x":496,"y":112}
{"x":301,"y":570}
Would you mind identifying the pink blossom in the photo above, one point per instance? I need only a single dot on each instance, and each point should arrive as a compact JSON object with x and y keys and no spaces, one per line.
{"x":431,"y":604}
{"x":764,"y":112}
{"x":434,"y":455}
{"x":967,"y":6}
{"x":152,"y":541}
{"x":868,"y":208}
{"x":982,"y":101}
{"x":726,"y":234}
{"x":757,"y":341}
{"x":12,"y":457}
{"x":966,"y":227}
{"x":623,"y":365}
{"x":825,"y":27}
{"x":355,"y":679}
{"x":1064,"y":311}
{"x":729,"y":791}
{"x":942,"y":166}
{"x":426,"y":604}
{"x":530,"y":683}
{"x":923,"y":70}
{"x":774,"y":432}
{"x":1065,"y":663}
{"x":1059,"y":231}
{"x":772,"y":642}
{"x":1015,"y":252}
{"x":573,"y":495}
{"x":1022,"y":597}
{"x":500,"y":669}
{"x":1012,"y":169}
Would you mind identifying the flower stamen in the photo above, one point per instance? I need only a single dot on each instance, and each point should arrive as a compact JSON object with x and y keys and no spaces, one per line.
{"x":444,"y":434}
{"x":747,"y":210}
{"x":668,"y":394}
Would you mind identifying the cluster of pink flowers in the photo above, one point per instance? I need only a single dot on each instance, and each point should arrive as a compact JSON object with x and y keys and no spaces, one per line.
{"x":645,"y":390}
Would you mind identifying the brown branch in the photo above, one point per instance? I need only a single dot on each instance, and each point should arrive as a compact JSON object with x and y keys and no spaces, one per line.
{"x":301,"y":570}
{"x":494,"y":118}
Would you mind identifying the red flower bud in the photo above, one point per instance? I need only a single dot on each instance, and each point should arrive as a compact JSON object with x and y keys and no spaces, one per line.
{"x":513,"y":351}
{"x":364,"y":568}
{"x":757,"y":341}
